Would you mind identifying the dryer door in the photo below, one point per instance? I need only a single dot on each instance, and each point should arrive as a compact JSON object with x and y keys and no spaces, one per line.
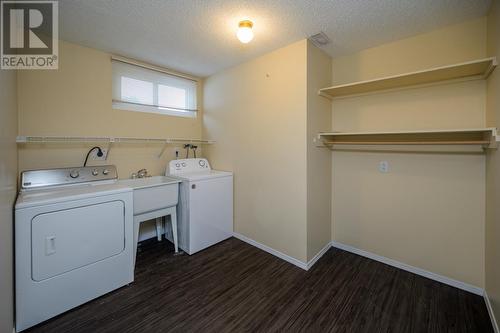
{"x":65,"y":240}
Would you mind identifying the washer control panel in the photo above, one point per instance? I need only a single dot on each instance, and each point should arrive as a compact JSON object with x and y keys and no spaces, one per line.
{"x":188,"y":165}
{"x":67,"y":176}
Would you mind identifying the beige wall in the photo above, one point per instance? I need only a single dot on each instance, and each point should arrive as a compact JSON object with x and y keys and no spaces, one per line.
{"x":257,"y":114}
{"x":318,"y":160}
{"x":453,"y":44}
{"x":8,"y":186}
{"x":493,"y":169}
{"x":75,"y":100}
{"x":428,"y":210}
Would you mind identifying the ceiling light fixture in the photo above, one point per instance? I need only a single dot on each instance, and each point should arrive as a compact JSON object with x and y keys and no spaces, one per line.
{"x":245,"y":33}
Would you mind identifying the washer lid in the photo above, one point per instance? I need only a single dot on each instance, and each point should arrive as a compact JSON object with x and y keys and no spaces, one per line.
{"x":55,"y":195}
{"x":204,"y":175}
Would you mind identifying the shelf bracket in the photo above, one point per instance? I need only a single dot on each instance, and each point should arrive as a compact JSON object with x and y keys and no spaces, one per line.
{"x":167,"y":142}
{"x":319,"y":142}
{"x":325,"y":95}
{"x":21,"y":139}
{"x":110,"y":143}
{"x":495,"y":139}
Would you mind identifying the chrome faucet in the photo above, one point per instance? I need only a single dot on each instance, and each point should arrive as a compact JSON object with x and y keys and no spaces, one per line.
{"x":143,"y":173}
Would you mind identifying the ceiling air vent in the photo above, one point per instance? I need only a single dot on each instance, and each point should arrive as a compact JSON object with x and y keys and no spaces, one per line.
{"x":320,"y":39}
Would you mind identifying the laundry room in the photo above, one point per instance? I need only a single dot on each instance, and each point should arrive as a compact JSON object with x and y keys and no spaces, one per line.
{"x":250,"y":166}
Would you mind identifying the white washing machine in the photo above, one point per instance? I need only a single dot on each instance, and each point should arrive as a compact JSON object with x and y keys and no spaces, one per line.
{"x":205,"y":210}
{"x":73,"y":240}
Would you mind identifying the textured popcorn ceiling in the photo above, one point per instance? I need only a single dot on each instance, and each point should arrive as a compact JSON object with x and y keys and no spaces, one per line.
{"x":198,"y":36}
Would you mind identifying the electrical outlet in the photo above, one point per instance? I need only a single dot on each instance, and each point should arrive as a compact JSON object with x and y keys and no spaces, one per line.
{"x":383,"y":166}
{"x":101,"y":158}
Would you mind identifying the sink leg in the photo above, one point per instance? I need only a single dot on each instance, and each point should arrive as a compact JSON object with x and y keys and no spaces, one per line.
{"x":136,"y":238}
{"x":173,"y":218}
{"x":158,"y":228}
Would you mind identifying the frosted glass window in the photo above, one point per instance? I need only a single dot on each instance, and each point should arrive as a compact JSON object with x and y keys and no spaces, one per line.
{"x":136,"y":88}
{"x":136,"y":91}
{"x":172,"y":97}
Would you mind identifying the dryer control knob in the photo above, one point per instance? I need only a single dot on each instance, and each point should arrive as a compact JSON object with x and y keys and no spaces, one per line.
{"x":74,"y":174}
{"x":105,"y":171}
{"x":95,"y":172}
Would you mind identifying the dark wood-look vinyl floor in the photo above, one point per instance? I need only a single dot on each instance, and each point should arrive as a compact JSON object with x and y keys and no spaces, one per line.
{"x":235,"y":287}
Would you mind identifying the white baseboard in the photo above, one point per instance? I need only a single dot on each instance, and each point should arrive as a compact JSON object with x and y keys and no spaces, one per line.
{"x":281,"y":255}
{"x":411,"y":269}
{"x":385,"y":260}
{"x":318,"y":255}
{"x":272,"y":251}
{"x":494,"y":322}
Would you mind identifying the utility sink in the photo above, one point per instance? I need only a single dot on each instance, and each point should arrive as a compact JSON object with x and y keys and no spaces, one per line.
{"x":153,"y":193}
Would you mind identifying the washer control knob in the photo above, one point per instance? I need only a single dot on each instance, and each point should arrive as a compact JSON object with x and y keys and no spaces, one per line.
{"x":184,"y":164}
{"x":95,"y":172}
{"x":201,"y":163}
{"x":105,"y":171}
{"x":74,"y":174}
{"x":177,"y":165}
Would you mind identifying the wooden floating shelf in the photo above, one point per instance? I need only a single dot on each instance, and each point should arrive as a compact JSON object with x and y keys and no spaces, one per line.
{"x":485,"y":137}
{"x":472,"y":70}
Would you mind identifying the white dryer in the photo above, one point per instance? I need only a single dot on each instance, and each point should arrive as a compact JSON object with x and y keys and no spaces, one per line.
{"x":73,"y":240}
{"x":205,"y":210}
